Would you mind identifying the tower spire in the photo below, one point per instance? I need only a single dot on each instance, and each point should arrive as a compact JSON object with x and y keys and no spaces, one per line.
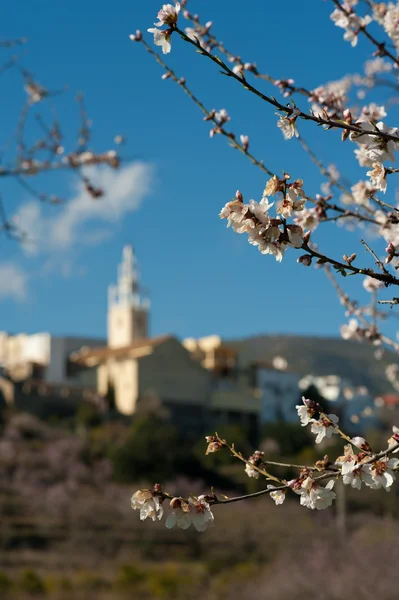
{"x":127,"y":309}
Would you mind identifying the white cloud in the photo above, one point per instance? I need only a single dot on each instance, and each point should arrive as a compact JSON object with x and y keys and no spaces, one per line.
{"x":13,"y":282}
{"x":124,"y":190}
{"x":57,"y":231}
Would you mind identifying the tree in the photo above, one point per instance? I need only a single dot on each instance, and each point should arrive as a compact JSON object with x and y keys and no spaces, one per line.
{"x":39,"y":145}
{"x":290,"y":218}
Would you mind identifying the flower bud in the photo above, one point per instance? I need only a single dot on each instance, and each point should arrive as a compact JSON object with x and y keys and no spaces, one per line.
{"x":349,"y":259}
{"x":305,"y":259}
{"x":136,"y":37}
{"x":239,"y":196}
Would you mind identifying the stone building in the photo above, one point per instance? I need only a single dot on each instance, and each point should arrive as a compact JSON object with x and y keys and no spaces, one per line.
{"x":194,"y":381}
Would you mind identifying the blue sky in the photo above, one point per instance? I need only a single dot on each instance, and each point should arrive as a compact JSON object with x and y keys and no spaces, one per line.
{"x":202,"y":277}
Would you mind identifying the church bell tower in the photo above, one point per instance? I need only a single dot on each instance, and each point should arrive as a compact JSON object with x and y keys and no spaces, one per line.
{"x":128,"y":311}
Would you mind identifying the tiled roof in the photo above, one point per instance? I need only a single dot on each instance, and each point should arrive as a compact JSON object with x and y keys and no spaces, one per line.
{"x":95,"y":356}
{"x":390,"y":399}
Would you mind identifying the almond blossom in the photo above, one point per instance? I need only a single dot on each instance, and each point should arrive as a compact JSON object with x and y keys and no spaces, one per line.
{"x":324,"y":427}
{"x":378,"y":177}
{"x":351,"y":330}
{"x":278,"y":495}
{"x":201,"y":514}
{"x":308,"y":219}
{"x":307,"y":411}
{"x":162,"y":38}
{"x":168,"y":15}
{"x":256,"y":460}
{"x":372,"y":285}
{"x":288,"y":127}
{"x":148,"y":504}
{"x":315,"y":496}
{"x":377,"y":65}
{"x":390,"y":21}
{"x":351,"y":470}
{"x":180,"y":514}
{"x":372,"y":112}
{"x":361,"y":193}
{"x":251,"y":472}
{"x":35,"y":91}
{"x":291,"y":202}
{"x":378,"y":149}
{"x":379,"y":474}
{"x":362,"y":156}
{"x":394,"y":440}
{"x":348,"y":20}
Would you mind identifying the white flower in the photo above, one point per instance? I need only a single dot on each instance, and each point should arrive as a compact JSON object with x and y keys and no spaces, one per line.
{"x":315,"y":496}
{"x":295,"y":234}
{"x":339,"y":18}
{"x":305,"y":411}
{"x":351,"y":330}
{"x":378,"y":149}
{"x":244,"y":139}
{"x":168,"y":15}
{"x":291,"y":202}
{"x":35,"y":91}
{"x":222,"y":116}
{"x":238,"y":70}
{"x":390,"y":22}
{"x":350,"y":468}
{"x":288,"y":128}
{"x":161,"y":38}
{"x":379,"y":473}
{"x":261,"y":209}
{"x":372,"y":112}
{"x":360,"y":442}
{"x":362,"y":157}
{"x":201,"y":514}
{"x":251,"y":472}
{"x":353,"y":478}
{"x":376,"y":65}
{"x":372,"y":285}
{"x":148,"y":504}
{"x":180,"y":514}
{"x":274,"y":248}
{"x":394,"y":440}
{"x":324,"y":427}
{"x":378,"y":177}
{"x":308,"y":219}
{"x":278,"y":495}
{"x":349,"y":21}
{"x":361,"y":193}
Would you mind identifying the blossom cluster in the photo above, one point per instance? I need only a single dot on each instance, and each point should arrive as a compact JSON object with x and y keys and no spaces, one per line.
{"x":272,"y":235}
{"x":182,"y":513}
{"x":168,"y":15}
{"x":347,"y":19}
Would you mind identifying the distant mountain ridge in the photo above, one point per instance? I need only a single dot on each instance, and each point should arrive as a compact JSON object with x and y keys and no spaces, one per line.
{"x":305,"y":355}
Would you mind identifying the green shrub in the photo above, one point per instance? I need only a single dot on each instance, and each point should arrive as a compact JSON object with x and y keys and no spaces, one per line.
{"x":91,"y":582}
{"x":147,"y":453}
{"x":5,"y":584}
{"x":130,"y":577}
{"x":32,"y":583}
{"x":168,"y":583}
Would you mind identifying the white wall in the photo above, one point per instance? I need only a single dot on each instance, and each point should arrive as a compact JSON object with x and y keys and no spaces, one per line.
{"x":280,"y":393}
{"x":60,"y":349}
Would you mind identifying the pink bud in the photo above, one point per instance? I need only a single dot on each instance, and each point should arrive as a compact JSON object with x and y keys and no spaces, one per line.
{"x":305,"y":259}
{"x":136,"y":37}
{"x":239,"y":196}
